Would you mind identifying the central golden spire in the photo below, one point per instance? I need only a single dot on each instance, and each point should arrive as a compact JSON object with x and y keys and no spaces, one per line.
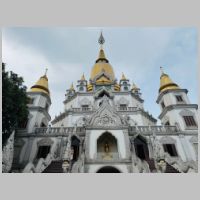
{"x":102,"y":65}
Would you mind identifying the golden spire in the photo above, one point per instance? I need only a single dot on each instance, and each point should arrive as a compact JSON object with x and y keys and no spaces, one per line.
{"x":101,"y":52}
{"x":83,"y":78}
{"x":41,"y":85}
{"x":134,"y":87}
{"x":166,"y":83}
{"x":102,"y":65}
{"x":123,"y":78}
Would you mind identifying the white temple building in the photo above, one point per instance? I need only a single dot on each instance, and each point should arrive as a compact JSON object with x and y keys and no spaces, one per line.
{"x":104,"y":128}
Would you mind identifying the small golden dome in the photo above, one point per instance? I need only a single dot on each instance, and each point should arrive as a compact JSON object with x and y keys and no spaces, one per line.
{"x":117,"y":87}
{"x":166,"y":83}
{"x":41,"y":85}
{"x":89,"y":87}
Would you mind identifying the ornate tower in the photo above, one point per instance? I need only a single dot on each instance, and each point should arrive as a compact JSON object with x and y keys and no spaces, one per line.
{"x":39,"y":104}
{"x":176,"y":108}
{"x":82,"y":84}
{"x":124,"y":83}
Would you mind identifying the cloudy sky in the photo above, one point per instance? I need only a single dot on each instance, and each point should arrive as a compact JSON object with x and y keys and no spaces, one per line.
{"x":70,"y":52}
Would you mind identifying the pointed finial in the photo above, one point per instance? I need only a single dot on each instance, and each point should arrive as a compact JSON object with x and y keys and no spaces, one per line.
{"x":101,"y":39}
{"x":123,"y":76}
{"x":72,"y":86}
{"x":83,"y":77}
{"x":161,"y":70}
{"x":46,"y":71}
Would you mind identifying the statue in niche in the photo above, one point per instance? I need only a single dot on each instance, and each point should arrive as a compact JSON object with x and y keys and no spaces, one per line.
{"x":106,"y":147}
{"x":107,"y":155}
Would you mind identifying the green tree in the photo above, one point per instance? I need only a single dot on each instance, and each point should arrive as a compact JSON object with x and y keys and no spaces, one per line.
{"x":14,"y":103}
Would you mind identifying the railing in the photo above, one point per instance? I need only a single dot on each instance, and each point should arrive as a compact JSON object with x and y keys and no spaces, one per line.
{"x":127,"y":108}
{"x":81,"y":109}
{"x":146,"y":129}
{"x":59,"y":130}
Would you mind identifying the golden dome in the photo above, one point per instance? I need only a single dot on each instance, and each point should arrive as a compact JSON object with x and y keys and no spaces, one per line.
{"x":41,"y":85}
{"x":102,"y":65}
{"x":166,"y":83}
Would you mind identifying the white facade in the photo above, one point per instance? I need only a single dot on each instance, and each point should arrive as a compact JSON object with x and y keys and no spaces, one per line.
{"x":105,"y":128}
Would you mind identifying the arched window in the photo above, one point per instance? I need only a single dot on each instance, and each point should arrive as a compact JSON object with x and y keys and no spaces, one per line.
{"x":125,"y":88}
{"x":81,"y":88}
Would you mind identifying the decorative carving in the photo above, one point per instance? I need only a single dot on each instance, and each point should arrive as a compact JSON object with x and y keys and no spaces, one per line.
{"x":123,"y":100}
{"x":186,"y":112}
{"x":158,"y":151}
{"x":84,"y":101}
{"x":167,"y":140}
{"x":194,"y":139}
{"x":7,"y":154}
{"x":106,"y":115}
{"x":45,"y":141}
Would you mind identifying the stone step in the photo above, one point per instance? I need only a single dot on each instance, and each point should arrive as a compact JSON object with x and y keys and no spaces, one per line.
{"x":54,"y":167}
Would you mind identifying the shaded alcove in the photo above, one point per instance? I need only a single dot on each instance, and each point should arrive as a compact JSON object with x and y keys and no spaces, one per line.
{"x":75,"y":142}
{"x":107,"y":143}
{"x":141,"y":148}
{"x":108,"y":169}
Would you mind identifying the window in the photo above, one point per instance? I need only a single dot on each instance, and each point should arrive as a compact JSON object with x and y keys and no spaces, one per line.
{"x":123,"y":107}
{"x":163,"y":105}
{"x":85,"y":107}
{"x":171,"y":149}
{"x":46,"y":107}
{"x":167,"y":123}
{"x":126,"y":88}
{"x":81,"y":89}
{"x":189,"y":121}
{"x":125,"y":83}
{"x":179,"y":98}
{"x":43,"y":151}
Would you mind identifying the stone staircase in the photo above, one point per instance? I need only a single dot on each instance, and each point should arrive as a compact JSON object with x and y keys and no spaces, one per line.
{"x":54,"y":167}
{"x":152,"y":166}
{"x":170,"y":169}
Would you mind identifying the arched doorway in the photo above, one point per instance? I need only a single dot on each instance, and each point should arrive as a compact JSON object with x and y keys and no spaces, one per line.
{"x":107,"y":147}
{"x":75,"y":147}
{"x":108,"y":169}
{"x":141,"y":148}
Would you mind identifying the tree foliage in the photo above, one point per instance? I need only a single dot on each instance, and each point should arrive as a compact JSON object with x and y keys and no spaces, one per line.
{"x":14,"y":103}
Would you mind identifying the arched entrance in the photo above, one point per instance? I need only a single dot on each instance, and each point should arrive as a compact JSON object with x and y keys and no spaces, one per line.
{"x":108,"y":169}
